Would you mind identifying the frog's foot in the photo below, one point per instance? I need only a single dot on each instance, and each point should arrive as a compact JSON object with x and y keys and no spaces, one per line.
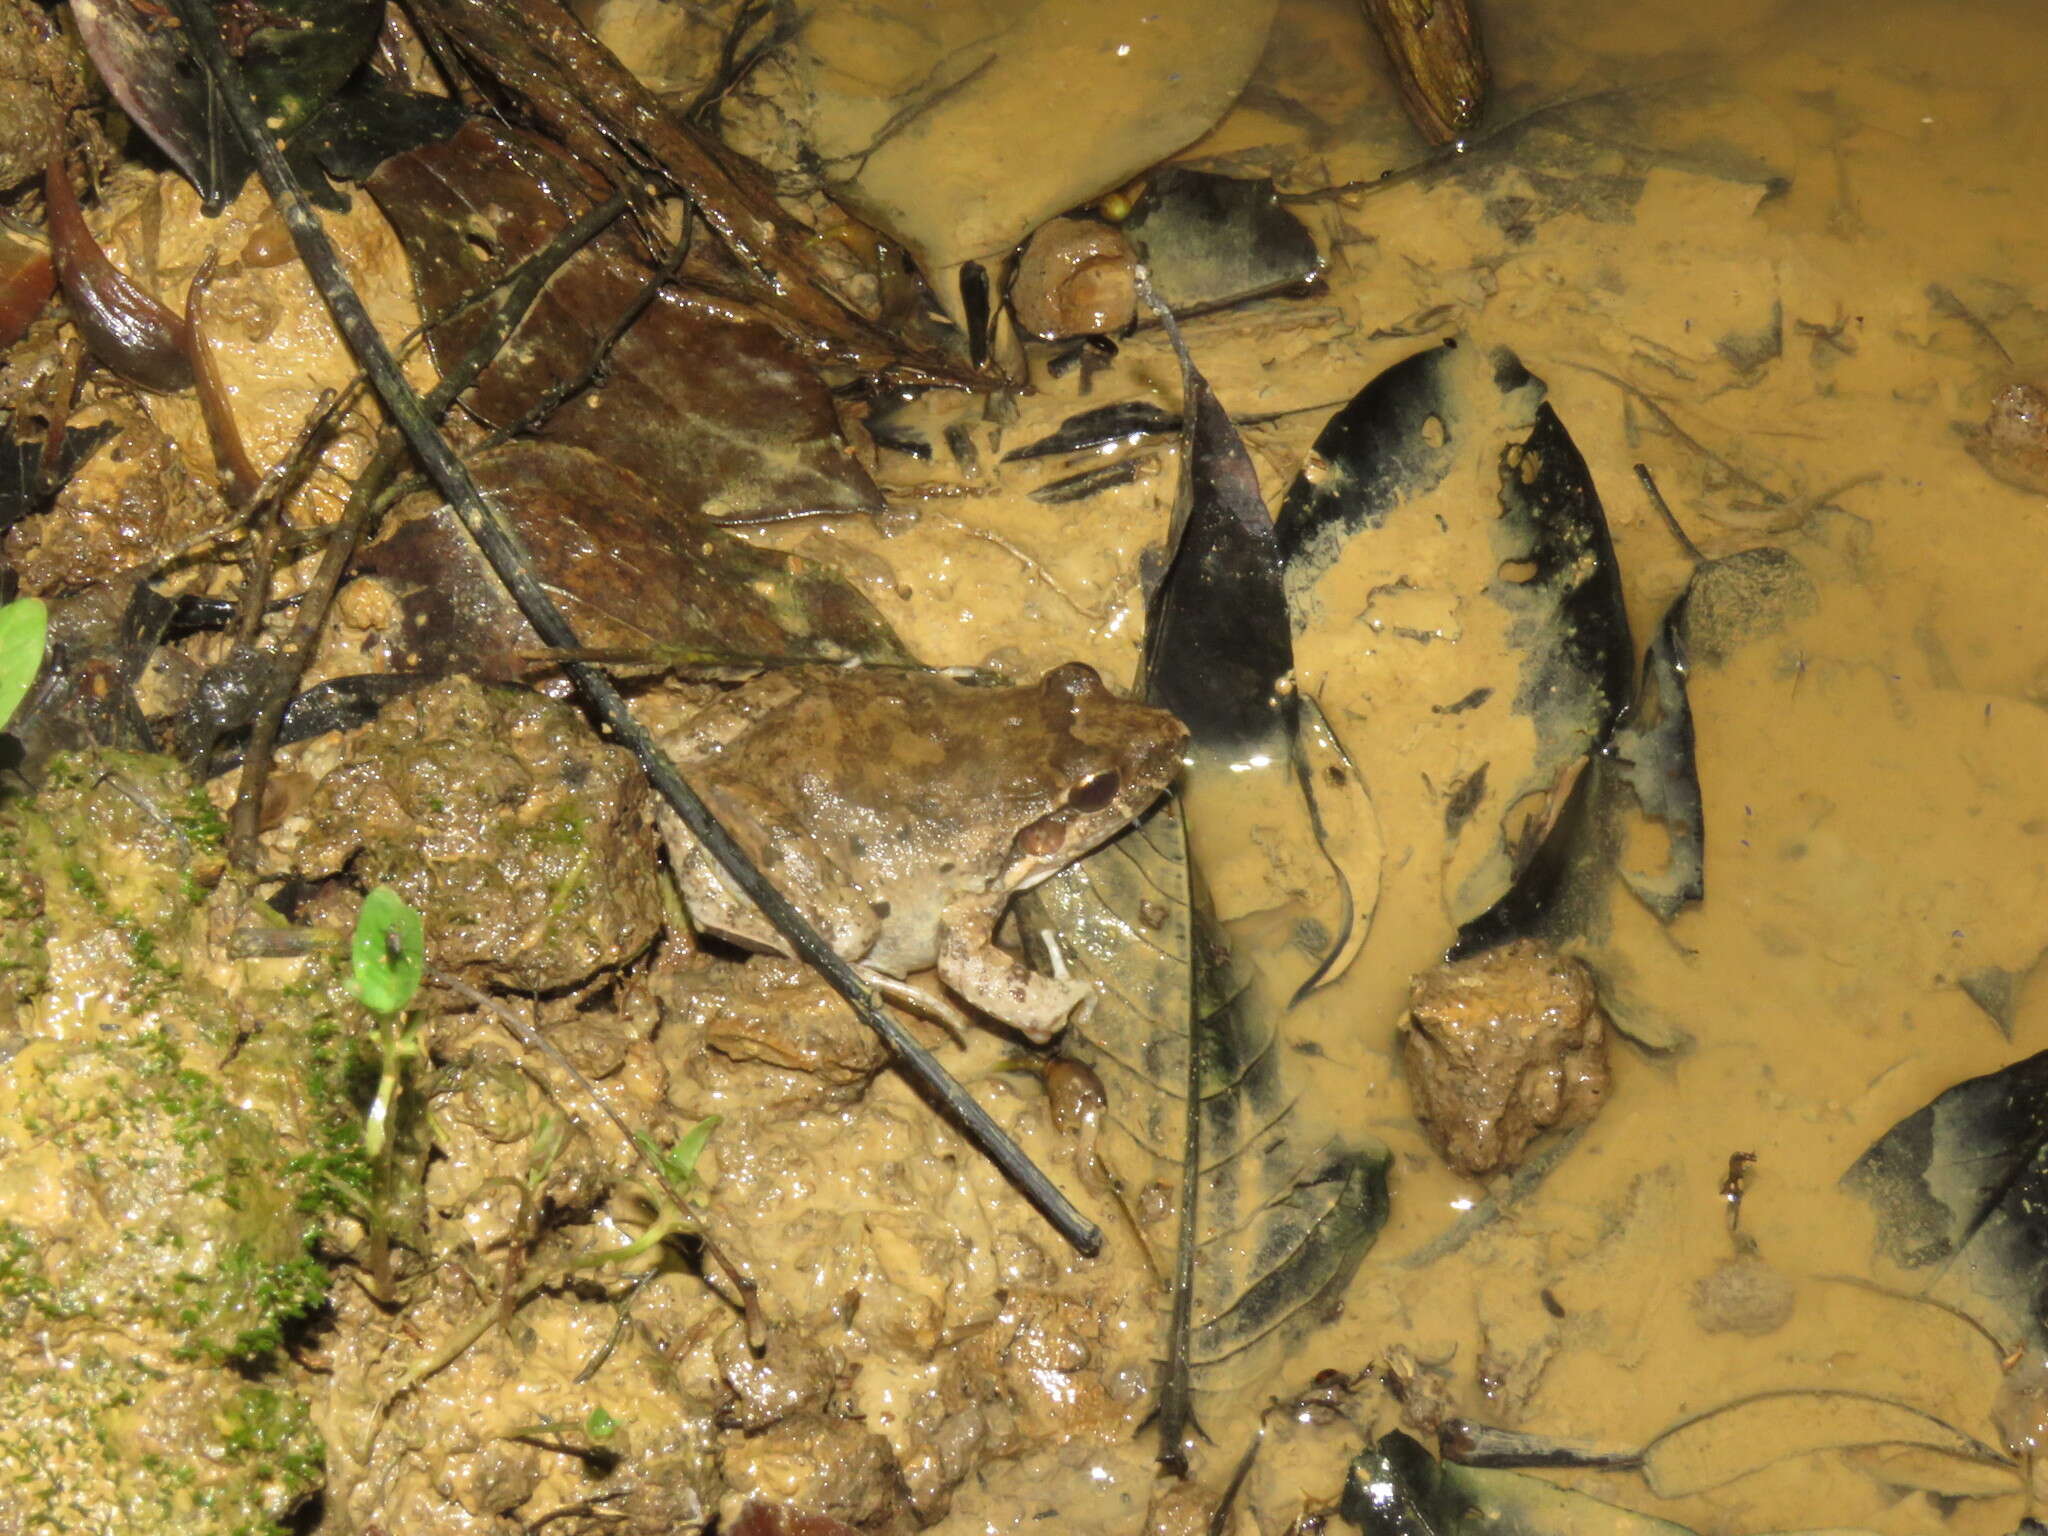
{"x":926,"y":1005}
{"x":1000,"y":985}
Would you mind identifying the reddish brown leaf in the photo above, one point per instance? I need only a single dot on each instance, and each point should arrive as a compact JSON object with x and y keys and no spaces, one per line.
{"x":707,"y":404}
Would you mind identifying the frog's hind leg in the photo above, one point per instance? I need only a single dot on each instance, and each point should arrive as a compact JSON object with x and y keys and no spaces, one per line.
{"x":995,"y":981}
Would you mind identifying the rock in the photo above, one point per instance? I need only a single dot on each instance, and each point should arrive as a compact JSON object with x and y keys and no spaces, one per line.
{"x":960,"y":128}
{"x":1744,"y":1295}
{"x":1501,"y":1047}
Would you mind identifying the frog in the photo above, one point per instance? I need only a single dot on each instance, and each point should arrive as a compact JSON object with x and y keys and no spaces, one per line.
{"x":900,"y":810}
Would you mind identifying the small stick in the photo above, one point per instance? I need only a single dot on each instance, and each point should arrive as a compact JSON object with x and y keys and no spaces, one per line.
{"x":1692,"y":550}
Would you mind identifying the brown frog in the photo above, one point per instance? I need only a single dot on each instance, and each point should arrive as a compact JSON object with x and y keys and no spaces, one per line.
{"x":900,"y":811}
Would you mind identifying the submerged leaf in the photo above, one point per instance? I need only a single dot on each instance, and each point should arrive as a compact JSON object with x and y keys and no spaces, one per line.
{"x":630,"y":571}
{"x":1212,"y":240}
{"x":1960,"y":1188}
{"x":1448,"y":485}
{"x":1651,"y":755}
{"x":1281,"y":1211}
{"x":706,"y":403}
{"x":1395,"y":1488}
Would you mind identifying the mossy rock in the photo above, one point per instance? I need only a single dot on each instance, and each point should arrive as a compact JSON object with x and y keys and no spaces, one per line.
{"x":109,"y":1442}
{"x":139,"y":1198}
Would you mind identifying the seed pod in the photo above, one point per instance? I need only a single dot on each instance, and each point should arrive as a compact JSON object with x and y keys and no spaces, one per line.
{"x":1437,"y":63}
{"x":1074,"y":279}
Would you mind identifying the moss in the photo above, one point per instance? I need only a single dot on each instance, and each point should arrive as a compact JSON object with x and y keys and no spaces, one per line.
{"x":113,"y":1443}
{"x":147,"y":1202}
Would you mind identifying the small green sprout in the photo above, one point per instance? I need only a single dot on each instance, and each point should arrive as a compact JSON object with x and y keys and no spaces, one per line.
{"x":386,"y":961}
{"x":679,"y":1162}
{"x":24,"y":626}
{"x":601,"y":1425}
{"x":389,"y":954}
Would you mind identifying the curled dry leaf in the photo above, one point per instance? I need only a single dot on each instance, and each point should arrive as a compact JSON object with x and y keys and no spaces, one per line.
{"x":125,"y":328}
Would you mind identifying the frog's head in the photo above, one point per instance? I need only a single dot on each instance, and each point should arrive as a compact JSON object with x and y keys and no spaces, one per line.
{"x":1111,"y":758}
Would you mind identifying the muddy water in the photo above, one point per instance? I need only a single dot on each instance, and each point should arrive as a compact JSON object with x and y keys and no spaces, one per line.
{"x":1785,"y":255}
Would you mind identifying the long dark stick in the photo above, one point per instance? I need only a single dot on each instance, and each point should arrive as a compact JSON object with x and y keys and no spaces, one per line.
{"x":508,"y":556}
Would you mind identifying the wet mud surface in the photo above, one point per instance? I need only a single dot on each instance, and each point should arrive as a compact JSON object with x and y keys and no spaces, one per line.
{"x":1781,"y":257}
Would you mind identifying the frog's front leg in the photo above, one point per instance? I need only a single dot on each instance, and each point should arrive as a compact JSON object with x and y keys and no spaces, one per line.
{"x":998,"y":983}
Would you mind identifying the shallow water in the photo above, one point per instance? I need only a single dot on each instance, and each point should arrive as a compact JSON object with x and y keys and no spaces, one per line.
{"x":1784,"y":255}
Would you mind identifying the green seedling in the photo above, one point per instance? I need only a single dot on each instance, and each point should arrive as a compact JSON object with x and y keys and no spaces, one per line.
{"x":679,"y":1162}
{"x":389,"y":954}
{"x":386,"y":961}
{"x":24,"y":627}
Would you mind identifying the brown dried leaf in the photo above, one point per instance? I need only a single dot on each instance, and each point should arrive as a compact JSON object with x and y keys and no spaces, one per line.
{"x":706,"y":403}
{"x":631,"y":573}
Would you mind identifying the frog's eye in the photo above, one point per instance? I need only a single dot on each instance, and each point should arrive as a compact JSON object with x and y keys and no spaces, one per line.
{"x":1096,"y":792}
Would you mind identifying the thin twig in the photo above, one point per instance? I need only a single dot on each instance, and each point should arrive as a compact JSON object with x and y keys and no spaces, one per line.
{"x":1670,"y":424}
{"x":506,"y":551}
{"x":1663,"y":507}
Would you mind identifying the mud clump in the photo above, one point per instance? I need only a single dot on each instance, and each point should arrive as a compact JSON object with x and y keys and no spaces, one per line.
{"x":1501,"y":1047}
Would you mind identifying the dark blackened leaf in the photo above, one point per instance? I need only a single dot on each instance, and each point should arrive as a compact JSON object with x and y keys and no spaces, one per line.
{"x":1213,"y":240}
{"x":1395,"y":1488}
{"x":1093,"y":482}
{"x":294,"y":55}
{"x":1122,"y":425}
{"x":1449,"y":481}
{"x":368,"y":123}
{"x":706,"y":403}
{"x":24,"y":489}
{"x":1274,"y":1216}
{"x":1219,"y":653}
{"x":1217,"y":645}
{"x":631,"y":572}
{"x":1960,"y":1189}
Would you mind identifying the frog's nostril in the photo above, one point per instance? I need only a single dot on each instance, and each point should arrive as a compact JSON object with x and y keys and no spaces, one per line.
{"x":1097,"y":792}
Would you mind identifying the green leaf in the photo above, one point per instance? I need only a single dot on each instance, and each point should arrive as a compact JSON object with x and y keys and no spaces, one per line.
{"x":600,"y":1425}
{"x":389,"y":953}
{"x":679,"y":1162}
{"x":23,"y":626}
